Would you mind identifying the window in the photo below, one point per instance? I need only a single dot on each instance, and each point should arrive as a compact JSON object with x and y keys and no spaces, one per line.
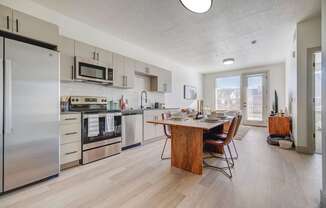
{"x":227,"y":93}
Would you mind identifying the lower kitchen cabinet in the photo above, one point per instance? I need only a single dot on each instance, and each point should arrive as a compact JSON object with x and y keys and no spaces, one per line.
{"x":154,"y":131}
{"x":70,"y":139}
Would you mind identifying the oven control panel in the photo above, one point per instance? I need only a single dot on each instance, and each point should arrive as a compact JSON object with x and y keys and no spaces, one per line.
{"x":81,"y":100}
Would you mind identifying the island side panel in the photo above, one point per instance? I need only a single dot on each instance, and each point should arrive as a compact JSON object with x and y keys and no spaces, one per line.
{"x":187,"y":149}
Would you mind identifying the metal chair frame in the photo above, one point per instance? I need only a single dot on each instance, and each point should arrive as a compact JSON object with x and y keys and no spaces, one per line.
{"x":226,"y":170}
{"x":230,"y":164}
{"x":168,"y":136}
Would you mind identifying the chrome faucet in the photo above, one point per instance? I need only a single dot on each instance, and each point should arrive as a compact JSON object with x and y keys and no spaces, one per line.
{"x":144,"y":92}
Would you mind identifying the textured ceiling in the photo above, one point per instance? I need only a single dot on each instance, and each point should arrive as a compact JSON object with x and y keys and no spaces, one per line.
{"x":201,"y":41}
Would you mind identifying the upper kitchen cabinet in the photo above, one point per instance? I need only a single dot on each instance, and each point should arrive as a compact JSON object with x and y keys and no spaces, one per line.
{"x":66,"y":48}
{"x":146,"y":69}
{"x":123,"y":71}
{"x":104,"y":57}
{"x":118,"y":70}
{"x":164,"y":81}
{"x":85,"y":51}
{"x":6,"y":18}
{"x":130,"y":68}
{"x":34,"y":28}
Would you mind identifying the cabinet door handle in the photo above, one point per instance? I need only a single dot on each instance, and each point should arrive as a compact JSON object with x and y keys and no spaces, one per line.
{"x":70,"y":119}
{"x":8,"y":26}
{"x":94,"y":55}
{"x":69,"y":153}
{"x":17,"y":25}
{"x":71,"y":133}
{"x":72,"y":72}
{"x":98,"y":56}
{"x":126,"y":81}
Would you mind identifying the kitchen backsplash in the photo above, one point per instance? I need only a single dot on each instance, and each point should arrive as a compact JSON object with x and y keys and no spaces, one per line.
{"x":88,"y":89}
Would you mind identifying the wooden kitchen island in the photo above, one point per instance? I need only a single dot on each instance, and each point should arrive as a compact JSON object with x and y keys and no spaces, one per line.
{"x":187,"y":142}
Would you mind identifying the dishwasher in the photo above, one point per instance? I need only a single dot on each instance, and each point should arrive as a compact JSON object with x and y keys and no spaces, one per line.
{"x":132,"y":128}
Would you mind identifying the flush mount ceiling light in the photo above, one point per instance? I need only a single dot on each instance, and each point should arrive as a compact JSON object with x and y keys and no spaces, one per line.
{"x":197,"y":6}
{"x":228,"y":61}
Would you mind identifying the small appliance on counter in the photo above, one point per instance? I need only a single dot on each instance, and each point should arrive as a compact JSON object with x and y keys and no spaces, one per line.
{"x":101,"y":128}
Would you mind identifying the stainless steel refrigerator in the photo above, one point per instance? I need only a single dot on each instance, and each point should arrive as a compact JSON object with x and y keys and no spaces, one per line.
{"x":29,"y":114}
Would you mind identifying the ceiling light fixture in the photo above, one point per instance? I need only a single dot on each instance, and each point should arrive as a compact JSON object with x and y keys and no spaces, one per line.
{"x":197,"y":6}
{"x":228,"y":61}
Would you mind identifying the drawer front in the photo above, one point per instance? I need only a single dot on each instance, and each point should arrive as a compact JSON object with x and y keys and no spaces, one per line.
{"x":70,"y":119}
{"x":70,"y":133}
{"x":100,"y":153}
{"x":70,"y":152}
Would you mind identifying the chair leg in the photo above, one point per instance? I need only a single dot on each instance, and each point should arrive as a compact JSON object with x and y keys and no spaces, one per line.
{"x":233,"y":158}
{"x":164,"y":158}
{"x":227,"y":161}
{"x":236,"y":151}
{"x":230,"y":164}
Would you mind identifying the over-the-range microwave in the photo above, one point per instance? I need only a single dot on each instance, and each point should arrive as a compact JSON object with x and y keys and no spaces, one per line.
{"x":86,"y":70}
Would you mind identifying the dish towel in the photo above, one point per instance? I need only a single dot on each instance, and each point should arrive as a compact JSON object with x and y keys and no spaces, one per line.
{"x":109,"y":123}
{"x":93,"y":125}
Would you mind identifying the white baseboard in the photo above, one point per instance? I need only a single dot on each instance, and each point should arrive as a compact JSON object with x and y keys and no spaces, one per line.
{"x":322,"y":199}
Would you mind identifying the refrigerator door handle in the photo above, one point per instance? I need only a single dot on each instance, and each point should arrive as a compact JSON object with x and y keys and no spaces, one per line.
{"x":8,"y":97}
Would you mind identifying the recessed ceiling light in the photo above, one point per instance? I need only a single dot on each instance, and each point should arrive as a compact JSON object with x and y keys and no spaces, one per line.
{"x":228,"y":61}
{"x":197,"y":6}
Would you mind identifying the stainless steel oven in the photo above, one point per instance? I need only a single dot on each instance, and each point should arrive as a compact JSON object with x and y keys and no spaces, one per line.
{"x":101,"y":129}
{"x":101,"y":135}
{"x":92,"y":71}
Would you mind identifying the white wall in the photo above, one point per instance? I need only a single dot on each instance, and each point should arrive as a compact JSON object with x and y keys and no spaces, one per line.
{"x":308,"y":36}
{"x":276,"y":81}
{"x":77,"y":30}
{"x":179,"y":79}
{"x":291,"y":84}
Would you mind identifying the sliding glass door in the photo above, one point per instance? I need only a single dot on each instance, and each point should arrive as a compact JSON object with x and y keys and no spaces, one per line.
{"x":246,"y":93}
{"x":254,"y":93}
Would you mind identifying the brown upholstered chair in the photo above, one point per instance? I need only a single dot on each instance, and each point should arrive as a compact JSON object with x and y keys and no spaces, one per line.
{"x":167,"y":132}
{"x":223,"y":136}
{"x":214,"y":146}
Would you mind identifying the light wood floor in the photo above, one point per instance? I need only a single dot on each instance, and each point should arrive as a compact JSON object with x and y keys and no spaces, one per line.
{"x":264,"y":176}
